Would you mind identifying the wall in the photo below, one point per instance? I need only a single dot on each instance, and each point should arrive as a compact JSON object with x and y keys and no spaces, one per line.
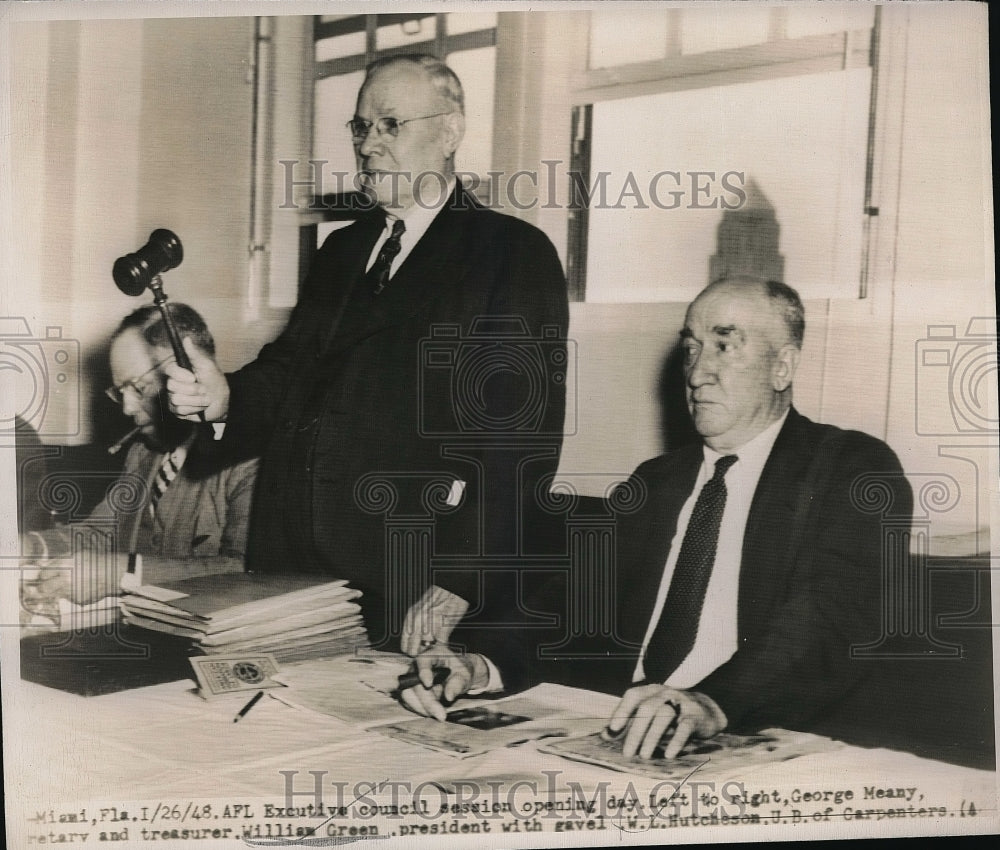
{"x":122,"y":127}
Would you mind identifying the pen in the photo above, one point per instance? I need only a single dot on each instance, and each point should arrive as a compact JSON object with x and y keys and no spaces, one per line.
{"x":410,"y":679}
{"x":243,"y":711}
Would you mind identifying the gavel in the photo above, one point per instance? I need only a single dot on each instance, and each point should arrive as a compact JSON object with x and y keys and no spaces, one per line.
{"x":135,"y":273}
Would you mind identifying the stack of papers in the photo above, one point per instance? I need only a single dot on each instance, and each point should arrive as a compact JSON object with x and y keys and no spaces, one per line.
{"x":292,"y":617}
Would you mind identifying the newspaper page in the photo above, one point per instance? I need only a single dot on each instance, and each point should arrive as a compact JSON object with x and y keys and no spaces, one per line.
{"x":495,"y":411}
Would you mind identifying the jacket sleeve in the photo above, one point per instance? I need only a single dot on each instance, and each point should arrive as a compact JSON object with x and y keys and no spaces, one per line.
{"x":801,"y":663}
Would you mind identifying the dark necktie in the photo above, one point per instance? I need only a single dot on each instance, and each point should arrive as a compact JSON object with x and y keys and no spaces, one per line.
{"x":677,"y":629}
{"x":378,"y":274}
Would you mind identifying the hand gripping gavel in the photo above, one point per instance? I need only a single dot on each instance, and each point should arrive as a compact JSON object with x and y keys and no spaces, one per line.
{"x":135,"y":273}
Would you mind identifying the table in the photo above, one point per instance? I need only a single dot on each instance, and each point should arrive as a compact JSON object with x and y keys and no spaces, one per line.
{"x":149,"y":764}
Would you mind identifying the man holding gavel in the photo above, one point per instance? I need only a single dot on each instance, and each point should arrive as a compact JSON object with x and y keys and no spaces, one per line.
{"x":347,"y":405}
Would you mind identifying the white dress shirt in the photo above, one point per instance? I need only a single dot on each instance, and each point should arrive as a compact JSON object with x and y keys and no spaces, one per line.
{"x":717,"y":637}
{"x":417,"y":218}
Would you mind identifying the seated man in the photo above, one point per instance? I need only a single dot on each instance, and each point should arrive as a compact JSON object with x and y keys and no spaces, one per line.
{"x":184,"y":515}
{"x":752,"y":568}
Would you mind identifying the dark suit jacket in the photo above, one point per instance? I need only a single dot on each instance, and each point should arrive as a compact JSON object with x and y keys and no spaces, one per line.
{"x":455,"y":372}
{"x":809,"y":585}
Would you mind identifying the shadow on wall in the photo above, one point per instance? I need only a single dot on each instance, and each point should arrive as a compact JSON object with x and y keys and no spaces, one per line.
{"x":676,"y":427}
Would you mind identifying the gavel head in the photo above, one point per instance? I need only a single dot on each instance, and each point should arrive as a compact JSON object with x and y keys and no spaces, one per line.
{"x":134,"y":273}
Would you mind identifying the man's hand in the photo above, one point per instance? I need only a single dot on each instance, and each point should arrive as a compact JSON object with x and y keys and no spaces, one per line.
{"x":431,"y":620}
{"x":649,"y":712}
{"x":465,"y":673}
{"x":206,"y":390}
{"x":63,"y":579}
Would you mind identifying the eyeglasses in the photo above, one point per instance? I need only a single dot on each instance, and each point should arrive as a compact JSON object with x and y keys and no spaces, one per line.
{"x":137,"y":385}
{"x":386,"y":126}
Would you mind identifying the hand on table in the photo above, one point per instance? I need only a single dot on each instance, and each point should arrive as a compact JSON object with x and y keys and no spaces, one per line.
{"x":648,"y":713}
{"x":203,"y":391}
{"x":465,"y":673}
{"x":431,"y":620}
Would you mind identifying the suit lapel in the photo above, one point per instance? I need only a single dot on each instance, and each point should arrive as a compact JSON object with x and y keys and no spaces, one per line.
{"x":654,"y":533}
{"x":438,"y":263}
{"x":764,"y":565}
{"x":351,"y":267}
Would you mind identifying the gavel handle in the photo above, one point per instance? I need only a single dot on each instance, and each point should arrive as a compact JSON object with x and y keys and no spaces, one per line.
{"x":160,"y":300}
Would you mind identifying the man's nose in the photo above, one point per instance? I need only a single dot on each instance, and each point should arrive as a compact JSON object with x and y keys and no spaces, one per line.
{"x":371,"y":143}
{"x":698,"y":369}
{"x":130,"y":401}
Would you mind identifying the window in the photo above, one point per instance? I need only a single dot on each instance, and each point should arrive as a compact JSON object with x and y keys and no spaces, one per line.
{"x":703,"y":143}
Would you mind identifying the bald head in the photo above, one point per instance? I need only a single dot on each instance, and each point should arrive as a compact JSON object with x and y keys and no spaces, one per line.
{"x":742,"y":338}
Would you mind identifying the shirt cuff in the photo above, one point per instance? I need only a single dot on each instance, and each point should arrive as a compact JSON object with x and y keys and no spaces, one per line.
{"x":493,"y":684}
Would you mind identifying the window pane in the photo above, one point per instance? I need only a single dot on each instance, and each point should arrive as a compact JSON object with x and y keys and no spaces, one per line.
{"x":802,"y":140}
{"x":725,"y":26}
{"x":416,"y":30}
{"x":617,"y":39}
{"x":341,"y":45}
{"x":336,"y":98}
{"x":477,"y":71}
{"x":458,"y":22}
{"x":828,"y":17}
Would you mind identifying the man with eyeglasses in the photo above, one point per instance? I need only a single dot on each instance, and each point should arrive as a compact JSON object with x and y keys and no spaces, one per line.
{"x":180,"y":510}
{"x":424,"y":363}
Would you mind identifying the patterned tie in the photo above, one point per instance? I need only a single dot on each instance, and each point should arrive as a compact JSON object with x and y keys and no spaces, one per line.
{"x":165,"y":475}
{"x":677,"y":629}
{"x":378,"y":274}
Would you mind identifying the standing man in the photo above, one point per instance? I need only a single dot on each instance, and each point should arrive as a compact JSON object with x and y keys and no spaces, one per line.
{"x":184,"y":513}
{"x":422,"y":366}
{"x":753,"y":567}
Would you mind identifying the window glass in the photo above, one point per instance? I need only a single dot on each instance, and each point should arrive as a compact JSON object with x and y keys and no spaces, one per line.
{"x":477,"y":71}
{"x":617,"y":39}
{"x":339,"y":46}
{"x":725,"y":26}
{"x":459,"y":22}
{"x":413,"y":31}
{"x":801,"y":140}
{"x":828,"y":17}
{"x":335,"y":99}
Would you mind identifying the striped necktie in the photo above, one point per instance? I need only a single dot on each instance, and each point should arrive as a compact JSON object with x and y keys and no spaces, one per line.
{"x":167,"y":472}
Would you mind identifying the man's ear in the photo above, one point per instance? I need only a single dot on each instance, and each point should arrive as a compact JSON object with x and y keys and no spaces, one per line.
{"x":785,"y":364}
{"x":454,"y":132}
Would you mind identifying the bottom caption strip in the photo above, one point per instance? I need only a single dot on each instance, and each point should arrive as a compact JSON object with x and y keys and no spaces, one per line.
{"x":387,"y":810}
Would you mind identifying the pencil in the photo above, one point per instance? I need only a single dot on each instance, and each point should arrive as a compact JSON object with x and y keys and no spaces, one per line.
{"x":243,"y":711}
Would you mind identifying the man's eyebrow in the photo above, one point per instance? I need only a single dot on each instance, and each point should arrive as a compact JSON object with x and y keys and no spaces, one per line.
{"x":728,"y":330}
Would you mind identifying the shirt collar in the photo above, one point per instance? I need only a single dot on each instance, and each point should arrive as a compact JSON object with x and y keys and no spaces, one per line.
{"x":753,"y":454}
{"x":418,"y":217}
